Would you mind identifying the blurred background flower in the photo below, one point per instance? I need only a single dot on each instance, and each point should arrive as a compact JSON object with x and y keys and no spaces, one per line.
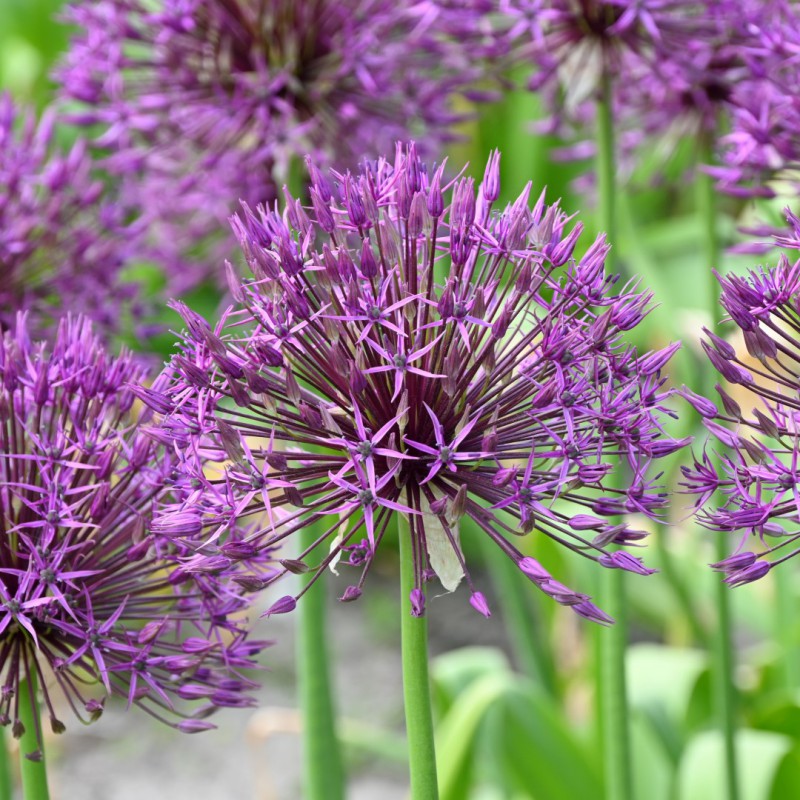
{"x":63,"y":239}
{"x":201,"y":103}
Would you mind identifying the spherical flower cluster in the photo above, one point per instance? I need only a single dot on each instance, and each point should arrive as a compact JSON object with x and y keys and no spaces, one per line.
{"x":757,"y":474}
{"x":574,"y":43}
{"x":721,"y":72}
{"x":761,"y":141}
{"x":690,"y":89}
{"x":405,"y":349}
{"x":93,"y":601}
{"x":62,"y":244}
{"x":205,"y":102}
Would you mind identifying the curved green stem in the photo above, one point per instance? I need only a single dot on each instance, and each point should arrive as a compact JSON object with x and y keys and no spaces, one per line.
{"x":611,"y":686}
{"x":323,"y":773}
{"x":726,"y":695}
{"x":416,"y":685}
{"x":33,"y":771}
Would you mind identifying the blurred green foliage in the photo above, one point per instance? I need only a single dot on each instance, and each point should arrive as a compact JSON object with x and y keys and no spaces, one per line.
{"x":525,"y":730}
{"x":31,"y":39}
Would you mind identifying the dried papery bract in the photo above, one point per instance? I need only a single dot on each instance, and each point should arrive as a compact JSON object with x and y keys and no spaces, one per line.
{"x":93,"y":600}
{"x":405,"y":348}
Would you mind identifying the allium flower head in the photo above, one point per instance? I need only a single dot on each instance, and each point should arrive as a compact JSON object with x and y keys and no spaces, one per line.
{"x":573,"y":43}
{"x":758,"y":472}
{"x":691,"y":89}
{"x":92,"y":601}
{"x":405,"y":348}
{"x":217,"y":98}
{"x":62,"y":245}
{"x":761,"y":141}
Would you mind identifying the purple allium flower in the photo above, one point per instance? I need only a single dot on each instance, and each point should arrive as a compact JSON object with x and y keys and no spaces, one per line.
{"x":211,"y":101}
{"x":762,"y":141}
{"x":404,"y":348}
{"x":690,"y":90}
{"x":573,"y":43}
{"x":62,"y":245}
{"x":757,"y":474}
{"x":92,"y":601}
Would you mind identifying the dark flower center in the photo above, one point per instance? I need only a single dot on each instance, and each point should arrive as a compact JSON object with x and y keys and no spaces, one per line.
{"x":365,"y":449}
{"x":525,"y":495}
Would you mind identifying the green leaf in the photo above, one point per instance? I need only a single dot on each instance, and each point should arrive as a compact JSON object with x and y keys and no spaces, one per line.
{"x":769,"y":767}
{"x":452,"y":673}
{"x":653,"y":768}
{"x":540,"y":752}
{"x":662,"y":679}
{"x":457,"y":735}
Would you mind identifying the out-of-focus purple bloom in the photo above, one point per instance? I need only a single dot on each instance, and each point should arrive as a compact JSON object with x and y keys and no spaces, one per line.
{"x":725,"y":69}
{"x":573,"y":44}
{"x":758,"y":473}
{"x":762,"y":139}
{"x":62,"y":244}
{"x":405,"y":348}
{"x":689,"y":88}
{"x":204,"y":102}
{"x":92,"y":601}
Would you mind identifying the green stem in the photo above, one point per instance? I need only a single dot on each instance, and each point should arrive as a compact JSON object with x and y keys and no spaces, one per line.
{"x":524,"y":624}
{"x":786,"y":627}
{"x":682,"y":594}
{"x":725,"y":692}
{"x":5,"y":768}
{"x":324,"y":776}
{"x":605,"y":166}
{"x":416,"y":685}
{"x":611,"y":686}
{"x":33,"y":772}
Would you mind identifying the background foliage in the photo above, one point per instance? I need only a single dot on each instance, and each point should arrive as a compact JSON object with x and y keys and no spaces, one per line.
{"x":522,"y":724}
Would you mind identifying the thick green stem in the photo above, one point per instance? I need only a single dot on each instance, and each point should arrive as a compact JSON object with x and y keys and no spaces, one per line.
{"x":324,"y":776}
{"x":5,"y":768}
{"x":723,"y":666}
{"x":612,"y":686}
{"x":611,"y":683}
{"x":725,"y":693}
{"x":605,"y":165}
{"x":416,"y":685}
{"x":33,"y":771}
{"x":525,"y":627}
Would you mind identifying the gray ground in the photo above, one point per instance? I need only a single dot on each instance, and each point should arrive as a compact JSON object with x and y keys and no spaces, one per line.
{"x":255,"y":754}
